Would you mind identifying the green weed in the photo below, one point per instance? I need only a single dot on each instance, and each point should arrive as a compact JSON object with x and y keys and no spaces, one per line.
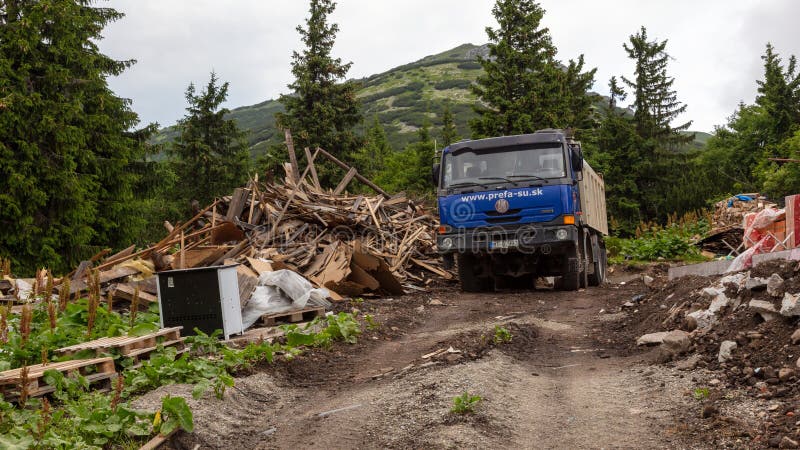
{"x":501,"y":335}
{"x":465,"y":403}
{"x":372,"y":324}
{"x":701,"y":393}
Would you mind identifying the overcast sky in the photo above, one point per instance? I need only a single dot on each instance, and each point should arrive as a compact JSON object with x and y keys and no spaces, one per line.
{"x":716,"y":44}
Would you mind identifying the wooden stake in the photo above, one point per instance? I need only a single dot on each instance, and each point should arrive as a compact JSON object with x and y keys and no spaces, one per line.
{"x":183,"y":253}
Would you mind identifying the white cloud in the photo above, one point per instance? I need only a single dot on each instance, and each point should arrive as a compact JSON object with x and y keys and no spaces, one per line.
{"x":716,"y":44}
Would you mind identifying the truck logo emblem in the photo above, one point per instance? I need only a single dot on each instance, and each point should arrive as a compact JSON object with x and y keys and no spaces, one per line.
{"x":501,"y":206}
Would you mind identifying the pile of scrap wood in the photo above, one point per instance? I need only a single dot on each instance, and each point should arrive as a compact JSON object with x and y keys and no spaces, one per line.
{"x":351,"y":244}
{"x":728,"y":223}
{"x":730,"y":212}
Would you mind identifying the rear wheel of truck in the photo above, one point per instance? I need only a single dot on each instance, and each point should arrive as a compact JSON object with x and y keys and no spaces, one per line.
{"x":470,"y":274}
{"x":598,"y":275}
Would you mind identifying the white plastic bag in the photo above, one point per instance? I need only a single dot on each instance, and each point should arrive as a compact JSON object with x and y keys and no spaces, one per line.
{"x":281,"y":291}
{"x":297,"y":288}
{"x":265,"y":300}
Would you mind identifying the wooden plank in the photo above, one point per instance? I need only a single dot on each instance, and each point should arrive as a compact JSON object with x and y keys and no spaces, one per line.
{"x":372,"y":213}
{"x":14,"y":376}
{"x":157,"y":441}
{"x":345,"y":181}
{"x":125,"y":343}
{"x":201,"y":257}
{"x":120,"y":255}
{"x":248,"y":280}
{"x":232,"y":253}
{"x":116,"y":273}
{"x":299,"y":315}
{"x":292,"y":155}
{"x":237,"y":204}
{"x":261,"y":267}
{"x":80,"y":272}
{"x":313,"y":169}
{"x":125,"y":292}
{"x":358,"y":176}
{"x":442,"y":273}
{"x":258,"y":334}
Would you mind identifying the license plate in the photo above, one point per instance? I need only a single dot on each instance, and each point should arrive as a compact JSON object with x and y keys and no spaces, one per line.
{"x":510,"y":243}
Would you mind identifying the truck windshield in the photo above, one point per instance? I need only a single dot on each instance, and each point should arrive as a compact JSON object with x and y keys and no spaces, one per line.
{"x":511,"y":164}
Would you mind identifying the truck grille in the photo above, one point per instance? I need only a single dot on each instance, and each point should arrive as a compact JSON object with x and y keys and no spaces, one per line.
{"x":510,"y":212}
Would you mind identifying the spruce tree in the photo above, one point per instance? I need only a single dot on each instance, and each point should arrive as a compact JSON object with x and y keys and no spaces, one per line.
{"x":523,"y":87}
{"x":449,"y":132}
{"x":410,"y":169}
{"x":66,"y":141}
{"x":210,"y":157}
{"x":371,"y":158}
{"x":620,"y":162}
{"x":779,"y":95}
{"x":655,"y":104}
{"x":322,"y":109}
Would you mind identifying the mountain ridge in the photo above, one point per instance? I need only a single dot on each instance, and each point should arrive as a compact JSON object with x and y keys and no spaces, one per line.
{"x":403,"y":98}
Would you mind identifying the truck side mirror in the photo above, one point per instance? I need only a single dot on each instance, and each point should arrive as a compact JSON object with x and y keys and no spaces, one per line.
{"x":435,"y":174}
{"x":577,"y":159}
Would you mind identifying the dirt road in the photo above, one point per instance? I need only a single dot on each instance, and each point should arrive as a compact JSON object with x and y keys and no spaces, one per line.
{"x":559,"y":383}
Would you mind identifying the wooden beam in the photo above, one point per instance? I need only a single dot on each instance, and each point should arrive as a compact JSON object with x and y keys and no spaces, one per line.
{"x":238,"y":201}
{"x":345,"y":181}
{"x":292,"y":156}
{"x":314,"y":177}
{"x":358,"y":176}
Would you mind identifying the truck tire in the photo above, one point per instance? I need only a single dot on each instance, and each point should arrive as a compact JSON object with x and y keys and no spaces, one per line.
{"x":598,"y":276}
{"x":574,"y":280}
{"x":468,"y":264}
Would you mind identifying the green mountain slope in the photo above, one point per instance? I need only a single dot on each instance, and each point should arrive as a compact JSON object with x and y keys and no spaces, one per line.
{"x":403,"y":98}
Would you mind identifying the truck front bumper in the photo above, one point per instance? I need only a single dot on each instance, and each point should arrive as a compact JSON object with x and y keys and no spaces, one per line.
{"x":524,"y":239}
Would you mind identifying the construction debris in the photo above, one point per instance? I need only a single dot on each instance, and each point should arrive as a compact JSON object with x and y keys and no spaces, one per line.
{"x":349,"y":244}
{"x":731,"y":211}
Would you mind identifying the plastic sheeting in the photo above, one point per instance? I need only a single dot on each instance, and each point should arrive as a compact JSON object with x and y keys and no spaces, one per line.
{"x":282,"y":291}
{"x":763,"y":243}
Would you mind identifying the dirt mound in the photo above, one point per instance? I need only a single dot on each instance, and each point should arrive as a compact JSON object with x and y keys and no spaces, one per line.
{"x":740,"y":329}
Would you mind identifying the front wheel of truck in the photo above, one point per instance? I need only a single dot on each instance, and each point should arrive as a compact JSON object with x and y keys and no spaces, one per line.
{"x":471,"y":273}
{"x":575,"y":276}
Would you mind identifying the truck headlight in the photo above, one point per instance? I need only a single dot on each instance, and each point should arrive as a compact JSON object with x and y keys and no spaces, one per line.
{"x":446,"y":243}
{"x":562,"y":234}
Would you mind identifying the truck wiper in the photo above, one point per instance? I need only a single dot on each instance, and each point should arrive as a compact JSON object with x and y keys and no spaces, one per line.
{"x":464,"y":184}
{"x":496,"y":178}
{"x":529,"y":176}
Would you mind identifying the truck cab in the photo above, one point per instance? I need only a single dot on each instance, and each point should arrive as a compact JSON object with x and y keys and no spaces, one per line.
{"x":515,"y":208}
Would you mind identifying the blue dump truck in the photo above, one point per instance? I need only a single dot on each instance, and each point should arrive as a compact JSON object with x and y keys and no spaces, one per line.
{"x":516,"y":208}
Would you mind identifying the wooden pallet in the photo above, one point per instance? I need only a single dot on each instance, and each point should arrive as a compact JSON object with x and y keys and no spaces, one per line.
{"x":298,"y":315}
{"x":129,"y":346}
{"x":99,"y":372}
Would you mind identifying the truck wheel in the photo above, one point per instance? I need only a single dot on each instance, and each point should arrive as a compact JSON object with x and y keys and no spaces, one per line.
{"x":573,"y":280}
{"x":599,"y":275}
{"x":569,"y":282}
{"x":468,"y":266}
